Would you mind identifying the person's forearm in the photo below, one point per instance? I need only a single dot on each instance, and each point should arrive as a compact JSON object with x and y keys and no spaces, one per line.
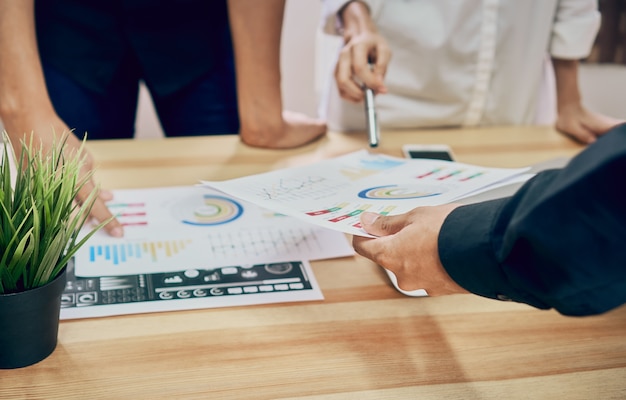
{"x":22,"y":85}
{"x":256,"y":27}
{"x":566,"y":75}
{"x":558,"y":242}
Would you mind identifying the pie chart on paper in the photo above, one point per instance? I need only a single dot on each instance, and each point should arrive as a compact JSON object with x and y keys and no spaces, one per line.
{"x":398,"y":192}
{"x":209,"y":210}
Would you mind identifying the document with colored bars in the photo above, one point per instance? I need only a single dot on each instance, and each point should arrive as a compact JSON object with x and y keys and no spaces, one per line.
{"x":334,"y":193}
{"x":194,"y":247}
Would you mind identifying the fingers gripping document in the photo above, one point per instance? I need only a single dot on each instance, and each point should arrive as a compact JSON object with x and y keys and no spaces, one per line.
{"x":333,"y":193}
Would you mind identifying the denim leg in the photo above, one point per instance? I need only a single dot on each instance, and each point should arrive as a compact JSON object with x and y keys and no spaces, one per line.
{"x":205,"y":107}
{"x":109,"y":115}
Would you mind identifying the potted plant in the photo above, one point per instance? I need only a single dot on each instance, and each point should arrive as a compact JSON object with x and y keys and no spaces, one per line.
{"x":39,"y":233}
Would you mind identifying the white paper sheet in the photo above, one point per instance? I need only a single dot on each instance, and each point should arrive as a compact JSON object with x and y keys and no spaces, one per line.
{"x":333,"y":193}
{"x":169,"y":229}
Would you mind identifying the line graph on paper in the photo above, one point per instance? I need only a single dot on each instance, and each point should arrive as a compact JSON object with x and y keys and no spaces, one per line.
{"x":263,"y":243}
{"x":291,"y":189}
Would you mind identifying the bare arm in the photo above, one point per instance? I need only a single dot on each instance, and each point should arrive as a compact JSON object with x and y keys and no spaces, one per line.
{"x":23,"y":94}
{"x":256,"y":29}
{"x":25,"y":106}
{"x":574,"y":119}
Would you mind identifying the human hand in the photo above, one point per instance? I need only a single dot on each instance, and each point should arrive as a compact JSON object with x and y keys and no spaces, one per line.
{"x":583,"y":125}
{"x":362,"y":45}
{"x":300,"y":129}
{"x":407,"y":246}
{"x":99,"y":211}
{"x":294,"y":130}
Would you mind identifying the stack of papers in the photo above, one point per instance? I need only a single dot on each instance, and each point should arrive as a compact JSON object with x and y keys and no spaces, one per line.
{"x":193,"y":247}
{"x":249,"y":240}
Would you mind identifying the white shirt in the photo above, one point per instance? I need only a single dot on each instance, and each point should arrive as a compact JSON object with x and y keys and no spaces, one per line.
{"x":466,"y":62}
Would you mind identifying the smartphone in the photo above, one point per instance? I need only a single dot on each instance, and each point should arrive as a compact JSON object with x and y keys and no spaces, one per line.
{"x":431,"y":151}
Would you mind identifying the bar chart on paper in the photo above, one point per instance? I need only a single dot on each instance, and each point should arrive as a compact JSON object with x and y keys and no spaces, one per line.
{"x":213,"y":249}
{"x":167,"y":229}
{"x":147,"y":251}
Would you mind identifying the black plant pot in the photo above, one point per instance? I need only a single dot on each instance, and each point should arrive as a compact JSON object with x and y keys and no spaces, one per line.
{"x":29,"y":324}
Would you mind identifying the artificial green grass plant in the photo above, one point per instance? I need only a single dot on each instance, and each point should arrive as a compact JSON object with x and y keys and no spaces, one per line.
{"x":39,"y":219}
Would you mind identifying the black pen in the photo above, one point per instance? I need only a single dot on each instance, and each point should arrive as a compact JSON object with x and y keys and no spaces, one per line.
{"x":370,"y":112}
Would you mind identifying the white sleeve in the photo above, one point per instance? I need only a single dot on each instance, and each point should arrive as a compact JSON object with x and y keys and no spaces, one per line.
{"x":575,"y":28}
{"x":331,"y":23}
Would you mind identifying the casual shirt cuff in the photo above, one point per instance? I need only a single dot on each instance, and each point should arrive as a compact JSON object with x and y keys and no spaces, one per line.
{"x":331,"y":23}
{"x":574,"y":38}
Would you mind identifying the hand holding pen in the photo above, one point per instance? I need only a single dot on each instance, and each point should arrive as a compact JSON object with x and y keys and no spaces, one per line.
{"x":362,"y":65}
{"x":365,"y":55}
{"x":363,"y":61}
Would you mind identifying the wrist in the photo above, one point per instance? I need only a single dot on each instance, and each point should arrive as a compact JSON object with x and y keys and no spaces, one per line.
{"x":568,"y":107}
{"x":261,"y":127}
{"x":20,"y":122}
{"x":356,"y":18}
{"x":25,"y":104}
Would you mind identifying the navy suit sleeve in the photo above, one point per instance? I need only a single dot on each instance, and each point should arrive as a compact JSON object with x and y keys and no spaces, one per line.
{"x":559,"y":242}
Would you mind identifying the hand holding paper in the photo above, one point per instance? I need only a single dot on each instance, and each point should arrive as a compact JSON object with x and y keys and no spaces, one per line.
{"x":407,"y":248}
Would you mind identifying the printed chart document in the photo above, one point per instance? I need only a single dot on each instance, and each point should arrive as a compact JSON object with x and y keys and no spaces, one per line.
{"x":194,"y":247}
{"x":281,"y":282}
{"x":333,"y":193}
{"x":169,"y":229}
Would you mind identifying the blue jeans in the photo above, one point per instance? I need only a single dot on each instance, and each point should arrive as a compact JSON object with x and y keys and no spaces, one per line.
{"x":205,"y":107}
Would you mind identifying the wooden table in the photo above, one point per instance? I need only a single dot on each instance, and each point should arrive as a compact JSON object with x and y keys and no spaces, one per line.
{"x":364,"y":341}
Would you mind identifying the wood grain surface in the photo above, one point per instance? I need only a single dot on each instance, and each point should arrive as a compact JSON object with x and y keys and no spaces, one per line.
{"x":363,"y":341}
